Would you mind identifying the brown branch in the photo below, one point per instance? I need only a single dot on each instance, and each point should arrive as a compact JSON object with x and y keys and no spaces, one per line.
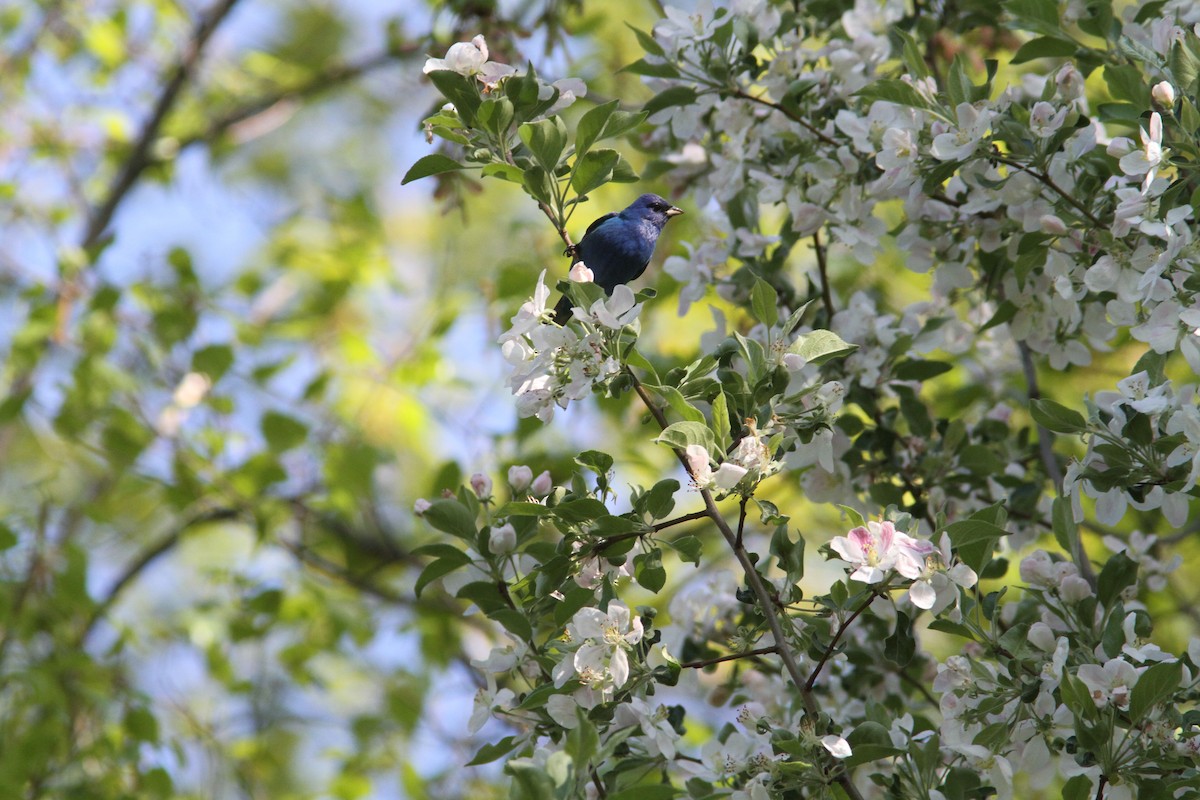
{"x":708,"y":662}
{"x":335,"y":76}
{"x":144,"y":560}
{"x":1049,"y":183}
{"x":1053,"y":470}
{"x":139,"y":157}
{"x":812,"y":679}
{"x":742,"y":93}
{"x":680,"y":520}
{"x":765,"y":599}
{"x":823,"y":270}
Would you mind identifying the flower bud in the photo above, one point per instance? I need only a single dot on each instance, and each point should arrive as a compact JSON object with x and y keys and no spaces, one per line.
{"x":421,"y":506}
{"x":503,"y":539}
{"x":542,"y":485}
{"x":580,"y":273}
{"x":482,"y":485}
{"x":1164,"y":94}
{"x":519,"y":477}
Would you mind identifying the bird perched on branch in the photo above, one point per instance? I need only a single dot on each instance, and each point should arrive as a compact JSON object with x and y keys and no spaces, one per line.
{"x":617,"y":247}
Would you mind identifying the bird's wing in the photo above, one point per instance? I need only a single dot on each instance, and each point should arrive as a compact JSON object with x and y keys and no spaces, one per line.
{"x":599,"y":221}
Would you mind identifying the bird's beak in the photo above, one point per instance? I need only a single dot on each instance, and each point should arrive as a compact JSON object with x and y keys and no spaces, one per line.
{"x":674,"y":212}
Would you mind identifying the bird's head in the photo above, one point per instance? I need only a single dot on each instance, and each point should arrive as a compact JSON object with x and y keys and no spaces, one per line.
{"x":652,"y":207}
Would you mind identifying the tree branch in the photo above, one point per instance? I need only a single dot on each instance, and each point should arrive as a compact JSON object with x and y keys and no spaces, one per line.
{"x":1053,"y":470}
{"x":765,"y":599}
{"x":139,"y":157}
{"x":812,"y":679}
{"x":823,"y":270}
{"x":1049,"y":183}
{"x":680,"y":520}
{"x":708,"y":662}
{"x":144,"y":560}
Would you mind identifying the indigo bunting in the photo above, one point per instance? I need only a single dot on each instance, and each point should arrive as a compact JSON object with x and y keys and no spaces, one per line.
{"x":617,"y":247}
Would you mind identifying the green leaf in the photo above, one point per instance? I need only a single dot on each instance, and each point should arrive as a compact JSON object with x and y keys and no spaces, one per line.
{"x":660,"y":500}
{"x":484,"y":594}
{"x":1118,"y":574}
{"x":721,"y":422}
{"x":451,"y":516}
{"x":958,"y":84}
{"x":893,"y":91}
{"x":438,"y":568}
{"x":1126,"y":82}
{"x":668,"y":98}
{"x":1158,"y":683}
{"x":1078,"y":788}
{"x":869,"y":742}
{"x":1044,"y":47}
{"x":433,"y":164}
{"x":647,"y":41}
{"x":283,"y":432}
{"x":856,"y":519}
{"x":973,"y":540}
{"x":460,"y":90}
{"x":591,"y":126}
{"x":213,"y":361}
{"x":1066,"y":531}
{"x":546,"y":139}
{"x":594,"y":170}
{"x":689,"y":548}
{"x":644,"y":67}
{"x":900,"y":647}
{"x":539,"y":185}
{"x":915,"y":369}
{"x":820,"y":346}
{"x":1054,"y":417}
{"x":496,"y":116}
{"x":764,"y":302}
{"x":682,"y":434}
{"x":506,"y":172}
{"x":490,"y":752}
{"x":658,"y":791}
{"x":679,"y":403}
{"x":648,"y":571}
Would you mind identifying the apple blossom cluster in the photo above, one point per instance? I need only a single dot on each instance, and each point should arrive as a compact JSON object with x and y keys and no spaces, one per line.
{"x":1030,"y":177}
{"x":879,"y":550}
{"x":553,"y":365}
{"x":1160,"y":472}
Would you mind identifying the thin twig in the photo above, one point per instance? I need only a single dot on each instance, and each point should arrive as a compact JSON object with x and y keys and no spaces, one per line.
{"x":787,"y":113}
{"x":1053,"y":470}
{"x":1049,"y":183}
{"x":680,"y":520}
{"x":823,"y":270}
{"x":812,"y":679}
{"x":708,"y":662}
{"x":144,"y":560}
{"x":139,"y":157}
{"x":765,"y":599}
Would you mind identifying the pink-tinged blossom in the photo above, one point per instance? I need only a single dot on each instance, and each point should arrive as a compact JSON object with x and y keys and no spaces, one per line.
{"x":519,"y":477}
{"x":542,"y":485}
{"x":482,"y":485}
{"x":580,"y":273}
{"x":877,"y":548}
{"x":1163,"y":93}
{"x":936,"y":585}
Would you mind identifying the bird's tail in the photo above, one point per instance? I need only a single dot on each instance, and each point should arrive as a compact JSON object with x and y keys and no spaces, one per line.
{"x":562,"y":311}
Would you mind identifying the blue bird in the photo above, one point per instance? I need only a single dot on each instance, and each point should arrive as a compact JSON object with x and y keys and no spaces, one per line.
{"x":617,"y":247}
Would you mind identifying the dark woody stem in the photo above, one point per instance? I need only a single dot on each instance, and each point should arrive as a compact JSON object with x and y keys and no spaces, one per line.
{"x":766,"y":600}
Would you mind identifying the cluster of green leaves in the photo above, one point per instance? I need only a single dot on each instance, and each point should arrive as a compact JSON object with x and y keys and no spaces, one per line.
{"x":504,"y":132}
